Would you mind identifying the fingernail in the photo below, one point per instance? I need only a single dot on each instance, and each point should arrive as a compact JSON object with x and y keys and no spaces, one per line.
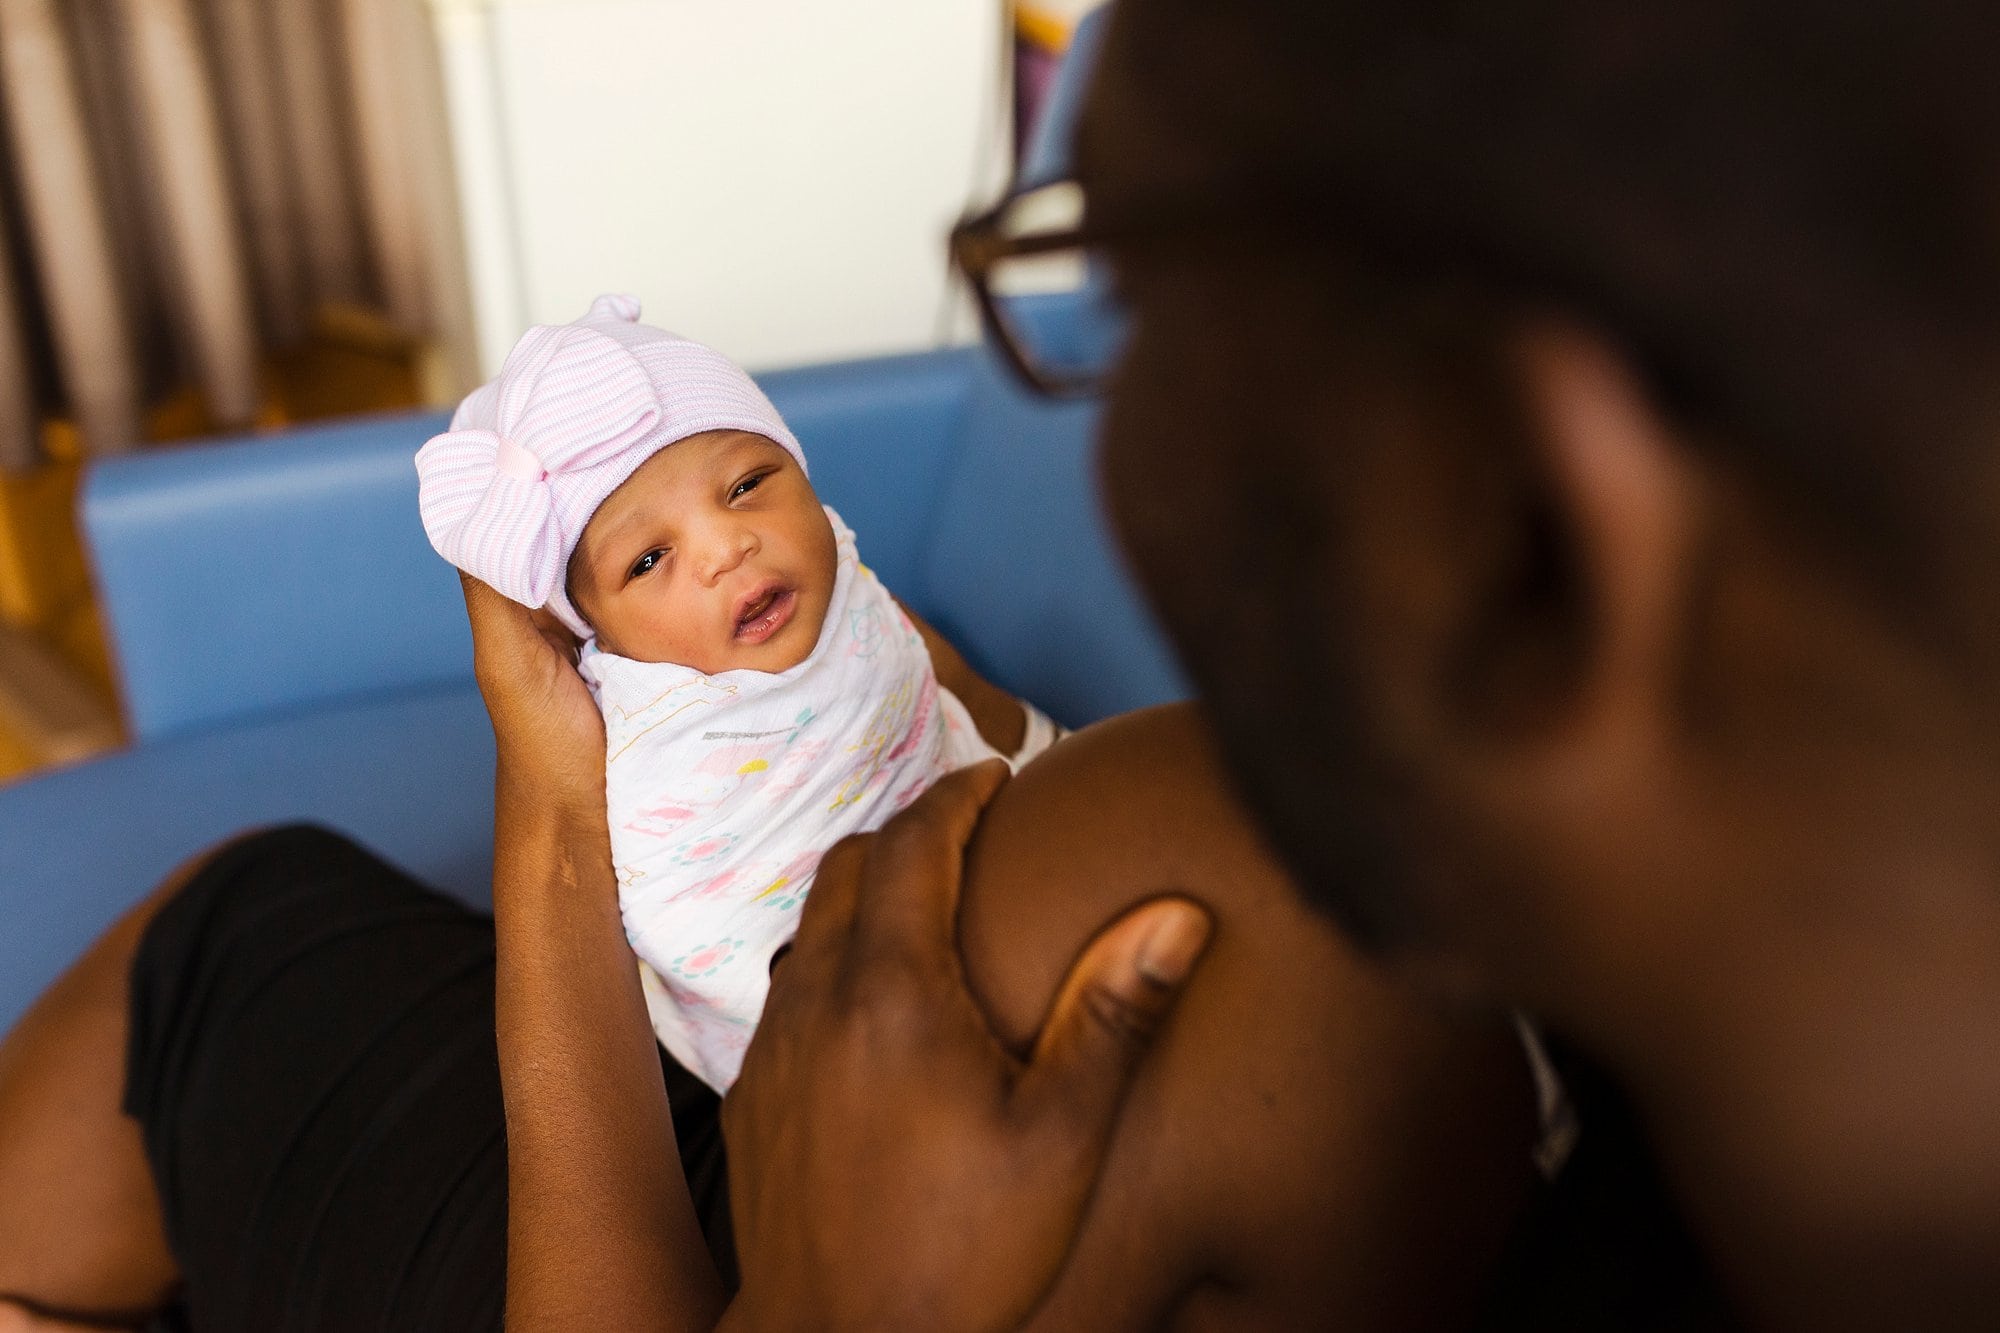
{"x":1177,"y":939}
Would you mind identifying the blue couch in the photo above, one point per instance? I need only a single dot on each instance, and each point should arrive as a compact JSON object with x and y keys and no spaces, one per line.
{"x":291,"y":648}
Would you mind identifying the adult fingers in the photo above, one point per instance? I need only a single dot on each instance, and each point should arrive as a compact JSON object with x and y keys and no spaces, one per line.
{"x":556,"y":634}
{"x":915,"y":864}
{"x":827,"y":918}
{"x":1104,"y":1019}
{"x":501,"y":630}
{"x":482,"y":603}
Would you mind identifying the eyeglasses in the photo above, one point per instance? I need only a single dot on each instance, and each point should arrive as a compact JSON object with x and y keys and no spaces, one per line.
{"x":1044,"y":296}
{"x":1036,"y":266}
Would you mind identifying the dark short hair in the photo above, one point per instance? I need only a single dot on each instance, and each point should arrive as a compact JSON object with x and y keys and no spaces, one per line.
{"x":1786,"y":212}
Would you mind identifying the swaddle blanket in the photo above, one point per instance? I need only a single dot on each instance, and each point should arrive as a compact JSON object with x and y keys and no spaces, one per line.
{"x":724,"y":791}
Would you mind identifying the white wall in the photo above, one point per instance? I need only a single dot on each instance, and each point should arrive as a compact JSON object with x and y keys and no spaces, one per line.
{"x":775,"y":177}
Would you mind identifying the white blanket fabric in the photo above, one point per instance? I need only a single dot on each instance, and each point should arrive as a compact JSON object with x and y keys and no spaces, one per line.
{"x":725,"y":790}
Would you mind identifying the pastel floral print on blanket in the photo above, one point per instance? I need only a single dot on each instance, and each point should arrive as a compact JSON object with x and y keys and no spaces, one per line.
{"x":705,"y":960}
{"x":725,"y":789}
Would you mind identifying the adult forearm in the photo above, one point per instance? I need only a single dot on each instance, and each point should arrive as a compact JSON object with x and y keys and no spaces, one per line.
{"x":601,"y":1232}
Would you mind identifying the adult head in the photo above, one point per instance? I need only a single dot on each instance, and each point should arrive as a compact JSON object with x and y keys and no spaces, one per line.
{"x":1557,"y":437}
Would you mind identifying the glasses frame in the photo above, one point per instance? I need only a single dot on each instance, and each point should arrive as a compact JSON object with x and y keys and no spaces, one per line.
{"x":1377,"y":247}
{"x":978,"y":247}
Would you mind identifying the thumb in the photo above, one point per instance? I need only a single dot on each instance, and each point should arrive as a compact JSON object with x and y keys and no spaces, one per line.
{"x":1105,"y":1016}
{"x":505,"y":634}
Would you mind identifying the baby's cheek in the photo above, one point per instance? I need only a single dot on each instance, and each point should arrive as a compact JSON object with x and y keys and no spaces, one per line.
{"x":666,"y":634}
{"x":823,"y":546}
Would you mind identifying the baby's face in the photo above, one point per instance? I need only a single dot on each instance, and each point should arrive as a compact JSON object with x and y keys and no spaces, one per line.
{"x":714,"y":555}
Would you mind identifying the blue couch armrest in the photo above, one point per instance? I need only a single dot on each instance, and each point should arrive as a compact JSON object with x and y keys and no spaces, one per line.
{"x":247,"y":577}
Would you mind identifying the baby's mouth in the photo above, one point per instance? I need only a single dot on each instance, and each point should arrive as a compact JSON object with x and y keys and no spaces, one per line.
{"x":767,"y":612}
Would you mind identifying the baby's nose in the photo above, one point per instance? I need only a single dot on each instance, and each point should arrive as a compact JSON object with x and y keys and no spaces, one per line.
{"x":726,"y":546}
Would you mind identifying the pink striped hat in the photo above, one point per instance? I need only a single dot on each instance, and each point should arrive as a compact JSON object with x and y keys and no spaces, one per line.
{"x":577,"y":408}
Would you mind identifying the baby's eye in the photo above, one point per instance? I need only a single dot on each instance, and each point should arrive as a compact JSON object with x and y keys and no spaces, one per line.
{"x":645,"y":563}
{"x":747,"y":485}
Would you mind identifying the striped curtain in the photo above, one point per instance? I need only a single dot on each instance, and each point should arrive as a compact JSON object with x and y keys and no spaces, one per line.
{"x":190,"y":187}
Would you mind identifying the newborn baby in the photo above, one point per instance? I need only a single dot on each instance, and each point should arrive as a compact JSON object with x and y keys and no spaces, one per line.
{"x":763,"y":695}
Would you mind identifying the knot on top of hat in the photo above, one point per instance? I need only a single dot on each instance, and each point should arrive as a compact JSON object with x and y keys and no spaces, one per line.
{"x":614,"y":305}
{"x":505,"y":493}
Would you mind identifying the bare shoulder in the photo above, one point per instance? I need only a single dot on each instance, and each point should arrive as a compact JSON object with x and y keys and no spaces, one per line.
{"x":1307,"y":1140}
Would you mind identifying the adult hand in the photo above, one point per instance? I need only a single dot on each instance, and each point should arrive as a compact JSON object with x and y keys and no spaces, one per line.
{"x":600,"y":1229}
{"x":892,"y":1165}
{"x":547,"y":729}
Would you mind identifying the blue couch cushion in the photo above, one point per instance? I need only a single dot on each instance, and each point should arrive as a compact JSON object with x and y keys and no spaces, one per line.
{"x":1023,"y":575}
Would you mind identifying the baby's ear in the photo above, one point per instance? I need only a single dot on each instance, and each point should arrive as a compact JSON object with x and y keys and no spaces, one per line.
{"x":614,"y":305}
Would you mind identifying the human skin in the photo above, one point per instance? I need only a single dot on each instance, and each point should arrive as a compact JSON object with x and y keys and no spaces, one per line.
{"x":1649,"y":757}
{"x":664,"y":565}
{"x":1361,"y":1157}
{"x":1415,"y":1123}
{"x":80,"y":1225}
{"x":702,"y":546}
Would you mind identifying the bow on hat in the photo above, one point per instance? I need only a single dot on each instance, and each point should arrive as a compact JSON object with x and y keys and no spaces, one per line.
{"x":505,"y":493}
